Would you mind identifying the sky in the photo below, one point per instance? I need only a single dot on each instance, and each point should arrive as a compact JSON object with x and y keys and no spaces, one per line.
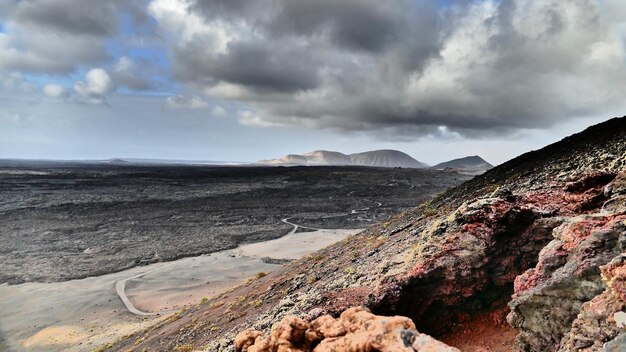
{"x":239,"y":80}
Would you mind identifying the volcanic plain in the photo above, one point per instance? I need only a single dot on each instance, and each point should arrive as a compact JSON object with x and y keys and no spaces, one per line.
{"x":64,"y":221}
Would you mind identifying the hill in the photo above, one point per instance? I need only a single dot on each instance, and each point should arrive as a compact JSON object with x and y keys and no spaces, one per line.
{"x":325,"y":157}
{"x":385,"y":158}
{"x":528,"y":254}
{"x":287,"y":160}
{"x":376,"y":158}
{"x":470,"y":164}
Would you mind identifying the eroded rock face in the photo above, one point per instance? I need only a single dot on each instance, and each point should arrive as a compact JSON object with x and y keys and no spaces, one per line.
{"x":467,"y":262}
{"x":564,"y":295}
{"x":602,"y":319}
{"x":356,"y":330}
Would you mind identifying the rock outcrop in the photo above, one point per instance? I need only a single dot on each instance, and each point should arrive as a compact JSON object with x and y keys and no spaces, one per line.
{"x":356,"y":330}
{"x":566,"y":280}
{"x":602,"y":320}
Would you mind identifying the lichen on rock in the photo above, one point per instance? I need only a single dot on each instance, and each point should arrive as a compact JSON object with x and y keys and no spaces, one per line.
{"x":565,"y":296}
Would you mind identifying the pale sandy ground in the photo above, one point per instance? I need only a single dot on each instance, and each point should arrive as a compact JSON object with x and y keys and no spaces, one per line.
{"x":81,"y":315}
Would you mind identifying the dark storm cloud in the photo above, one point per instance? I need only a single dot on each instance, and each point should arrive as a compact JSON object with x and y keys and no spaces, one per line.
{"x":368,"y":25}
{"x":415,"y":67}
{"x":473,"y":67}
{"x":255,"y":65}
{"x":226,"y":8}
{"x":291,"y":46}
{"x":69,"y":16}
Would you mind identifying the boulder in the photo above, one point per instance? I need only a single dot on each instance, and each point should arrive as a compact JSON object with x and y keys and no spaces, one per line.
{"x":356,"y":330}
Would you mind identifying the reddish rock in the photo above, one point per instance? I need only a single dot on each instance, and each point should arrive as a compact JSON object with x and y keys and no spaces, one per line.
{"x":472,"y":255}
{"x":549,"y":297}
{"x":338,"y":301}
{"x":596,"y":324}
{"x":356,"y":330}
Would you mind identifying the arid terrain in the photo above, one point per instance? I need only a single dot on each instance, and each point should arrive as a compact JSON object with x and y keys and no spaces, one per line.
{"x":109,"y":228}
{"x":528,"y":256}
{"x":65,"y":222}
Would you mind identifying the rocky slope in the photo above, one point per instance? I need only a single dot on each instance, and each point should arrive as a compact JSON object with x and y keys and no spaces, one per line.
{"x":375,"y":158}
{"x":527,"y":256}
{"x":470,"y":164}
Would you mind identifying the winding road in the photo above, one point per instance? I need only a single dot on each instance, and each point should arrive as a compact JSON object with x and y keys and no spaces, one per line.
{"x":120,"y":285}
{"x":120,"y":288}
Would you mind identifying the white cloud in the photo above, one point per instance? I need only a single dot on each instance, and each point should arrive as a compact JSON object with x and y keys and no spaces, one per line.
{"x":228,"y":91}
{"x":180,"y":22}
{"x":219,"y":111}
{"x":185,"y":102}
{"x":252,"y":119}
{"x":16,"y":82}
{"x":96,"y":86}
{"x":55,"y":91}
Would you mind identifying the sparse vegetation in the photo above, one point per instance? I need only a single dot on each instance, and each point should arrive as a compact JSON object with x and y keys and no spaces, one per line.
{"x":185,"y":347}
{"x":216,"y":304}
{"x":260,"y":275}
{"x":140,"y":340}
{"x":255,"y":303}
{"x":238,"y":301}
{"x":104,"y":348}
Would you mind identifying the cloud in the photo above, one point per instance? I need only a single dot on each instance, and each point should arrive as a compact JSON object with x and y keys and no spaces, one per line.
{"x":69,"y":16}
{"x":476,"y":68}
{"x":55,"y":91}
{"x":399,"y":68}
{"x":16,"y":82}
{"x":96,"y":86}
{"x":59,"y":36}
{"x":185,"y":102}
{"x":251,"y":119}
{"x":125,"y":74}
{"x":219,"y":111}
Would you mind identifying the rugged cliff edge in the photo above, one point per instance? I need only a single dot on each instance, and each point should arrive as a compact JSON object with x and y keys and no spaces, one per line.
{"x":528,"y":256}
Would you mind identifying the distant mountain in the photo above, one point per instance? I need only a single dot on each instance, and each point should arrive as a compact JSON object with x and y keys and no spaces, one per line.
{"x":116,"y":161}
{"x":287,"y":160}
{"x":325,"y":157}
{"x":386,"y":158}
{"x":376,"y":158}
{"x":469,"y":164}
{"x":143,"y":161}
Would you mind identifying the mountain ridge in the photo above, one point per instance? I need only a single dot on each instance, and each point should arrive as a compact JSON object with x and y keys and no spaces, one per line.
{"x":375,"y":158}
